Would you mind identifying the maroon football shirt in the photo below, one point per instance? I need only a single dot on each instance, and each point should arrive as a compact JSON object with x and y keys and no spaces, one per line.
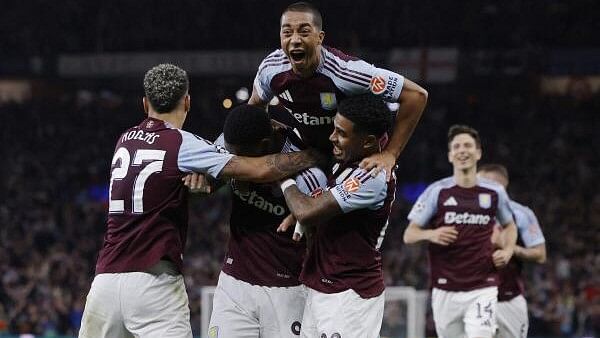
{"x":148,"y":213}
{"x":312,"y":102}
{"x":465,"y":264}
{"x":345,"y":250}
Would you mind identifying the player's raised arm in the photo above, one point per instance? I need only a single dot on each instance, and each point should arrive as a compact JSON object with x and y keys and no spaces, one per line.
{"x":412,"y":100}
{"x":271,"y":167}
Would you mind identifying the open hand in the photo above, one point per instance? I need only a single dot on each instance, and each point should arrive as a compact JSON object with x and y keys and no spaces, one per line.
{"x":378,"y":162}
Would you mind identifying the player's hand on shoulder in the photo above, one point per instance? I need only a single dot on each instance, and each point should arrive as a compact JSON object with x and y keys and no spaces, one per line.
{"x":378,"y":162}
{"x":501,"y":257}
{"x":197,"y":183}
{"x":445,"y":235}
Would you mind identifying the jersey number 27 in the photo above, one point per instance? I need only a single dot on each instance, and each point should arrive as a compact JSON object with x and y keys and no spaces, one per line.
{"x":155,"y":159}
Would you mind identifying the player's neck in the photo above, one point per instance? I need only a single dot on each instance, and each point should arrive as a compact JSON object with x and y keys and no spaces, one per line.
{"x":466,"y":178}
{"x":174,"y":118}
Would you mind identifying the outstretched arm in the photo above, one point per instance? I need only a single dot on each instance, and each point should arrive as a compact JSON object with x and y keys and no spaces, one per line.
{"x":412,"y":100}
{"x":271,"y":167}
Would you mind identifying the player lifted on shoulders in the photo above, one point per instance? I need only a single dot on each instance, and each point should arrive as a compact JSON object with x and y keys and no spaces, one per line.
{"x":456,"y":215}
{"x":343,"y":270}
{"x":138,"y":289}
{"x":311,"y":79}
{"x":258,"y":293}
{"x":512,"y":317}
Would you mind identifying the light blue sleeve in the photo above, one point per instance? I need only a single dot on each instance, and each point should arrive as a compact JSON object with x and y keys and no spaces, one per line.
{"x":262,"y":81}
{"x":366,"y":77}
{"x":504,"y":212}
{"x":528,"y":225}
{"x":361,"y":191}
{"x":199,"y":155}
{"x":425,"y":207}
{"x":311,"y":181}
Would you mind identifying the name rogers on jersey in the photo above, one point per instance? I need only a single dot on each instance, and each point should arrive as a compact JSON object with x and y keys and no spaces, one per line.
{"x":140,"y":135}
{"x":259,"y":202}
{"x":452,"y":217}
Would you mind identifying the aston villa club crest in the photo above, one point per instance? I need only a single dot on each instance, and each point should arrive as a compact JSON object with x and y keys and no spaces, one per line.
{"x":485,"y":201}
{"x":149,"y":124}
{"x":328,"y":101}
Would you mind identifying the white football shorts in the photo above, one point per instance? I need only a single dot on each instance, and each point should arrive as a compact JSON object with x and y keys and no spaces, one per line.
{"x":467,"y":314}
{"x":243,"y":310}
{"x":513,"y":321}
{"x":342,"y":315}
{"x":136,"y":304}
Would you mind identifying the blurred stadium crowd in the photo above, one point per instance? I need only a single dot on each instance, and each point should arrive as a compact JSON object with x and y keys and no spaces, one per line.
{"x":57,"y":148}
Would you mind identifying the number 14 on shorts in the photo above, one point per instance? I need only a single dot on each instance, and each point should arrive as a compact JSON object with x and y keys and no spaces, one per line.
{"x":485,"y":313}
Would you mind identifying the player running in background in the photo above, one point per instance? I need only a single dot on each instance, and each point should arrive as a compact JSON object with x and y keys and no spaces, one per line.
{"x":138,"y":289}
{"x":457,"y":216}
{"x":343,"y":270}
{"x":310,"y":80}
{"x":258,"y":293}
{"x":512,"y":316}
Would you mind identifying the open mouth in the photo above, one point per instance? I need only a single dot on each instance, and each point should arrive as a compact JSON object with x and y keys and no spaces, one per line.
{"x":336,"y":151}
{"x":297,"y":55}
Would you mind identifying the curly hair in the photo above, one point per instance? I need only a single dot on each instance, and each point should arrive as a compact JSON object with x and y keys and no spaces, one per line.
{"x":247,"y":125}
{"x":164,"y":86}
{"x":368,"y":112}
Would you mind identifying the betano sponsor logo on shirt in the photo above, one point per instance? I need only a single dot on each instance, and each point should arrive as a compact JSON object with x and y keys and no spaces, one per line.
{"x":310,"y":120}
{"x":452,"y":217}
{"x":254,"y":199}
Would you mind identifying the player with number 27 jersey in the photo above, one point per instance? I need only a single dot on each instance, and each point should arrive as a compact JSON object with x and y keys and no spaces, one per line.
{"x":147,"y":224}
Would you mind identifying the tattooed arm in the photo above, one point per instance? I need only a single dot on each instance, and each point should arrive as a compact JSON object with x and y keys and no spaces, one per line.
{"x":271,"y":167}
{"x":311,"y":211}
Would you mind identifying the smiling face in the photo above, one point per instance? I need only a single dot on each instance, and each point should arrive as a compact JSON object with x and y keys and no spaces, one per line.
{"x":301,"y":41}
{"x":348,"y":145}
{"x":464,"y":152}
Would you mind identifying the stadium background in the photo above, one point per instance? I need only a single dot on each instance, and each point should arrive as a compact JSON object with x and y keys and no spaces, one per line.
{"x":525,"y":73}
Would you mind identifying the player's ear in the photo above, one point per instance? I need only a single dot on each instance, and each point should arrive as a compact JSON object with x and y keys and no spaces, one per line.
{"x":449,"y":156}
{"x":187,"y":103}
{"x":321,"y":37}
{"x":145,"y":104}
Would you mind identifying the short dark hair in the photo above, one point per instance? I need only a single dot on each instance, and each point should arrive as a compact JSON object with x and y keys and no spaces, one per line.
{"x":495,"y":168}
{"x":247,"y":125}
{"x":368,"y":112}
{"x":307,"y":7}
{"x":164,"y":86}
{"x":463,"y":129}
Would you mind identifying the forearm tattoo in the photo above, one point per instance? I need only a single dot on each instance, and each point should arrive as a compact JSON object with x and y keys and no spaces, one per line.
{"x":290,"y":163}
